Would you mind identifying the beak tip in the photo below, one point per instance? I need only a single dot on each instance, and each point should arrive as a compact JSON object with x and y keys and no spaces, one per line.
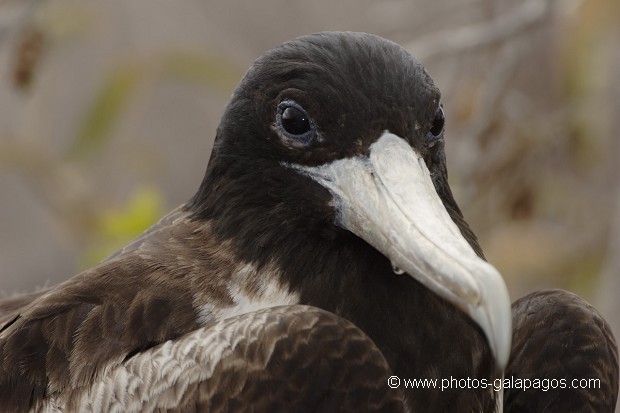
{"x":494,"y":315}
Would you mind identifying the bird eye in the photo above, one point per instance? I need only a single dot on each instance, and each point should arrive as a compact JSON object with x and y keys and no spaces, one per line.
{"x":294,"y":123}
{"x":437,"y":127}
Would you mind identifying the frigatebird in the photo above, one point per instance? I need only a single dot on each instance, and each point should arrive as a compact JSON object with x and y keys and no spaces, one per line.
{"x":322,"y":265}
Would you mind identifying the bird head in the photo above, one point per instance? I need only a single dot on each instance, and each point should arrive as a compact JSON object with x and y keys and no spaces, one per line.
{"x":344,"y":132}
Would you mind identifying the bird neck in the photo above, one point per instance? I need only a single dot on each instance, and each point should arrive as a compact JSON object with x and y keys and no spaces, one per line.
{"x":422,"y":336}
{"x":419,"y":333}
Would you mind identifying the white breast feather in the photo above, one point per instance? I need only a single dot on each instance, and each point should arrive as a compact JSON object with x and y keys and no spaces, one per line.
{"x":159,"y":377}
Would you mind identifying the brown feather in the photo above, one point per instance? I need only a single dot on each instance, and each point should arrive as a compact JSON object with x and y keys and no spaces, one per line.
{"x":558,"y":335}
{"x":292,"y":358}
{"x":140,"y":297}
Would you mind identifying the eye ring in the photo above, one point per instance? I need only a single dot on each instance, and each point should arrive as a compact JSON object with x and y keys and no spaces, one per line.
{"x":294,"y":124}
{"x":437,"y":128}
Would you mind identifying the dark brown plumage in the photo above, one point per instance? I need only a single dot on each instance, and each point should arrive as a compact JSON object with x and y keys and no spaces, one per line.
{"x":281,"y":369}
{"x":127,"y":304}
{"x":558,"y":336}
{"x":327,"y":186}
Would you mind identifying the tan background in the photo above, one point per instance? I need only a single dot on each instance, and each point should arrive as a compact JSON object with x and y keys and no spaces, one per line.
{"x":108,"y":110}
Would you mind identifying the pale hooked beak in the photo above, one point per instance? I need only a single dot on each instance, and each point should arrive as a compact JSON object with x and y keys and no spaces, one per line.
{"x":389,"y":200}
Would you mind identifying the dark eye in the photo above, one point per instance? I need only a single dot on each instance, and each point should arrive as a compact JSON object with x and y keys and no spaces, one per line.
{"x":437,"y":128}
{"x":294,"y":123}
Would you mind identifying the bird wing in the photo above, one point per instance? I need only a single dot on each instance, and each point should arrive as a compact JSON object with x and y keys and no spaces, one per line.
{"x":10,"y":306}
{"x":558,"y":336}
{"x":171,"y":281}
{"x":289,"y":358}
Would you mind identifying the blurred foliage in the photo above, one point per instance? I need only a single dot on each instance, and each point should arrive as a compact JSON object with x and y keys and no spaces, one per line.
{"x":114,"y":227}
{"x":586,"y":52}
{"x":110,"y":229}
{"x":67,"y":19}
{"x":95,"y":221}
{"x":105,"y":111}
{"x":122,"y":84}
{"x":208,"y":70}
{"x":529,"y":116}
{"x":530,"y":144}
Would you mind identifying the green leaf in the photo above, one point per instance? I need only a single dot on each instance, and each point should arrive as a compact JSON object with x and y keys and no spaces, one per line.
{"x":116,"y":227}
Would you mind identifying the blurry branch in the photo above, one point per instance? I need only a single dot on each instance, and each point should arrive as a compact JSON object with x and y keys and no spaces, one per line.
{"x":132,"y":77}
{"x":59,"y":185}
{"x":15,"y":15}
{"x":609,"y":280}
{"x":105,"y":111}
{"x":62,"y":189}
{"x":512,"y":32}
{"x":18,"y":31}
{"x":499,"y":76}
{"x":504,"y":27}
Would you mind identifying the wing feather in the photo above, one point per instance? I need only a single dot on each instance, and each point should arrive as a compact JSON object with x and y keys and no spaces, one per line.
{"x":289,"y":358}
{"x":559,"y":336}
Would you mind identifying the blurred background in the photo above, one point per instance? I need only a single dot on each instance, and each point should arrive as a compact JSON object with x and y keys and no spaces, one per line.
{"x":108,"y":111}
